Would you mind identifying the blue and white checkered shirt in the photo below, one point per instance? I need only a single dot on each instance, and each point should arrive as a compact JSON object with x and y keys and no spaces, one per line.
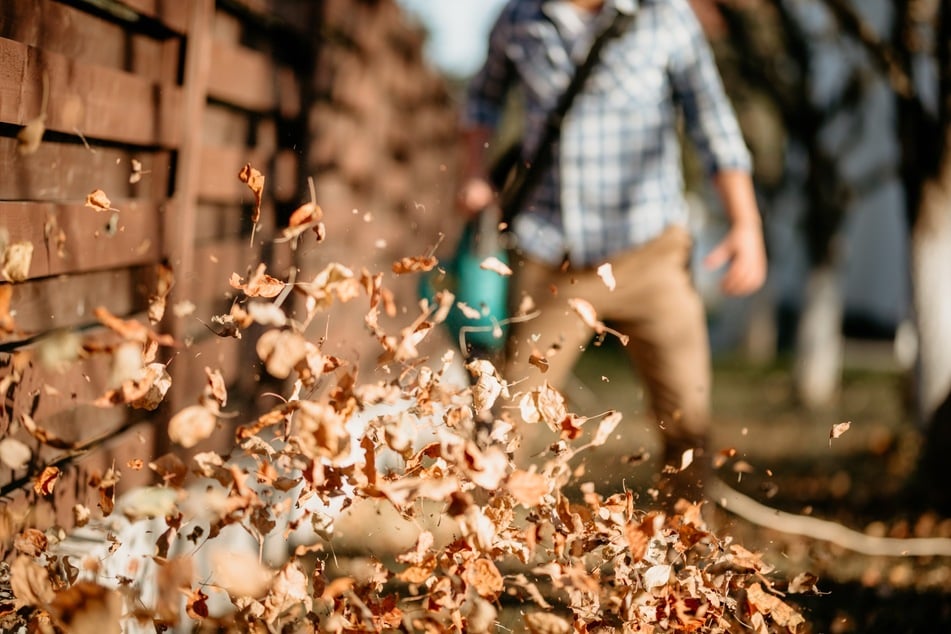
{"x":620,"y":182}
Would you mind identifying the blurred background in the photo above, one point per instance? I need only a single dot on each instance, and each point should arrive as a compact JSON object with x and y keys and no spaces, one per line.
{"x":845,"y":104}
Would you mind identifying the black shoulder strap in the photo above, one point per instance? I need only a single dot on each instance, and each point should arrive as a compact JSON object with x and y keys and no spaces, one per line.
{"x":527,"y":171}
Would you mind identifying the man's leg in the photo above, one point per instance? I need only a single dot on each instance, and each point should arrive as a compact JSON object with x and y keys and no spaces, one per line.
{"x":669,"y":345}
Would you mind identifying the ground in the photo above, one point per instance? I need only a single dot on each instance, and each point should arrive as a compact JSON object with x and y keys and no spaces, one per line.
{"x":786,"y":459}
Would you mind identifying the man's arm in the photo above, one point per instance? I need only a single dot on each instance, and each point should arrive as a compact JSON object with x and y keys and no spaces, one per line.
{"x":743,"y":247}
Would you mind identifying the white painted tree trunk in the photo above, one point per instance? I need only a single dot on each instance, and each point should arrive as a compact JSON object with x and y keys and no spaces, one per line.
{"x":819,"y":344}
{"x":931,"y":280}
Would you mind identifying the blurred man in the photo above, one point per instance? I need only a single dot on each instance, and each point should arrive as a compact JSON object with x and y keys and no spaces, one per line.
{"x":612,"y":199}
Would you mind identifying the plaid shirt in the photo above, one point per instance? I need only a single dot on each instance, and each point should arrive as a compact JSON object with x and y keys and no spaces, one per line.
{"x":619,"y":183}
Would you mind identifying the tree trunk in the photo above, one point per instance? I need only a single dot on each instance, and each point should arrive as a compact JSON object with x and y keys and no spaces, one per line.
{"x":819,"y":342}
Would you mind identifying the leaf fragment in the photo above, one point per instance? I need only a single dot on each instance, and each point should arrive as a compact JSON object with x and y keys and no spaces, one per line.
{"x":98,"y":200}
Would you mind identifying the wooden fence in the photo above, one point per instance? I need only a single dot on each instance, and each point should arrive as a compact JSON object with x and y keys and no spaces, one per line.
{"x":159,"y":104}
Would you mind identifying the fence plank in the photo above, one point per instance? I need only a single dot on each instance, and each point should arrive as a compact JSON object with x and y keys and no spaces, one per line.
{"x":68,"y":171}
{"x":173,"y":13}
{"x":97,"y":102}
{"x":249,"y":79}
{"x":59,"y":28}
{"x":87,"y":246}
{"x":68,"y":301}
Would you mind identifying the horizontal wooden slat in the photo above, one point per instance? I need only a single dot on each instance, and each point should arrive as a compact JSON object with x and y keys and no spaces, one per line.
{"x":172,"y":13}
{"x":97,"y":102}
{"x":248,"y":79}
{"x":87,"y":247}
{"x":60,"y":397}
{"x":59,"y":28}
{"x":66,"y":171}
{"x":67,"y":301}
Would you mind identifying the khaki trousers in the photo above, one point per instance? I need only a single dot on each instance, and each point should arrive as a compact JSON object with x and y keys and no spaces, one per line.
{"x":654,"y":303}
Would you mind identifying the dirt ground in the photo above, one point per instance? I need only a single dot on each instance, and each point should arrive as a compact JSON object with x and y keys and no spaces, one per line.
{"x":785,"y":458}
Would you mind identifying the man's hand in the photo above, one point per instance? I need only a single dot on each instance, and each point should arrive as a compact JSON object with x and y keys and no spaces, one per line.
{"x":475,"y":195}
{"x":744,"y":249}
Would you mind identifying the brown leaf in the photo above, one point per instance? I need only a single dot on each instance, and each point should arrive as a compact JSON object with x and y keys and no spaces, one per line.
{"x":260,"y":284}
{"x":171,"y":469}
{"x":281,"y":351}
{"x":546,"y":623}
{"x":191,"y":425}
{"x":415,"y":264}
{"x":216,"y":386}
{"x":589,"y":316}
{"x":495,"y":265}
{"x":31,"y":542}
{"x":240,"y":573}
{"x":255,"y":182}
{"x":30,"y":583}
{"x":838,"y":430}
{"x":98,"y":200}
{"x":163,"y":286}
{"x":528,"y":487}
{"x":7,"y":325}
{"x":15,"y":261}
{"x":88,"y":608}
{"x":55,"y":236}
{"x":30,"y":136}
{"x":605,"y":428}
{"x":765,"y":603}
{"x":14,"y":454}
{"x":46,"y":481}
{"x":485,"y":578}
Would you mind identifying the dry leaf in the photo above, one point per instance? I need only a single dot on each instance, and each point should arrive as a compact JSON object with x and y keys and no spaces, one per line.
{"x":485,"y":578}
{"x":46,"y":481}
{"x":191,"y":425}
{"x":255,"y":182}
{"x":88,"y":608}
{"x":838,"y":430}
{"x":14,"y":454}
{"x":30,"y":583}
{"x":240,"y":573}
{"x":416,"y":264}
{"x":216,"y":386}
{"x":606,"y":273}
{"x":589,"y":316}
{"x":260,"y":284}
{"x":495,"y":265}
{"x":15,"y":261}
{"x":137,"y":173}
{"x":98,"y":200}
{"x":29,"y":138}
{"x":281,"y":351}
{"x":605,"y":428}
{"x":7,"y":325}
{"x":765,"y":603}
{"x":528,"y":487}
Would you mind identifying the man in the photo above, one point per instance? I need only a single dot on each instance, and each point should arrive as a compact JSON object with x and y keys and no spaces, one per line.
{"x":613,"y":194}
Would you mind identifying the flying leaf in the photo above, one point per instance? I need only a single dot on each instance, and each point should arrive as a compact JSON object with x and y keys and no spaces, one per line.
{"x":14,"y":454}
{"x":606,"y":273}
{"x":98,"y":200}
{"x":191,"y":425}
{"x":15,"y":261}
{"x":589,"y":316}
{"x":838,"y":430}
{"x":415,"y":264}
{"x":495,"y":265}
{"x":7,"y":325}
{"x":260,"y":284}
{"x":46,"y":481}
{"x":88,"y":608}
{"x":255,"y":182}
{"x":605,"y":428}
{"x":528,"y":487}
{"x":29,"y":138}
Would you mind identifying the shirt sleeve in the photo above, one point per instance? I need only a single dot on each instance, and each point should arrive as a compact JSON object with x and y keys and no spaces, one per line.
{"x":487,"y":89}
{"x":709,"y":117}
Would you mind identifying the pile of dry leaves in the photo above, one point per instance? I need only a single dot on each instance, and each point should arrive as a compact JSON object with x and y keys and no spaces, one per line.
{"x":573,"y":565}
